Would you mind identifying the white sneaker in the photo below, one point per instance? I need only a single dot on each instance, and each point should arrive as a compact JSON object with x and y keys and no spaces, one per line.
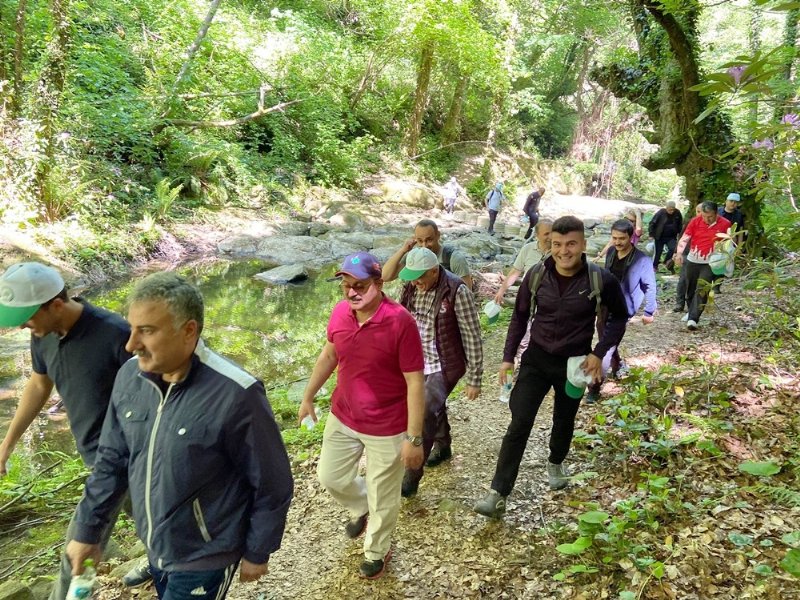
{"x":691,"y":325}
{"x":685,"y":317}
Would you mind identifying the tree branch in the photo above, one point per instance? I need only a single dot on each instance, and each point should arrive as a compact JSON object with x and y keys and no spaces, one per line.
{"x":224,"y":123}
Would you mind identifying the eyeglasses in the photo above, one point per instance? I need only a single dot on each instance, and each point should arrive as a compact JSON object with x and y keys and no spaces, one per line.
{"x":359,"y":286}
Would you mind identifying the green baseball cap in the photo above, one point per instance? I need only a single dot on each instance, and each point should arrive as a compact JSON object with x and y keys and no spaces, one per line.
{"x":24,"y":287}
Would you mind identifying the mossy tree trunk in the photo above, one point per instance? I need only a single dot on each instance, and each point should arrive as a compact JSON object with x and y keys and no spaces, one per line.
{"x":660,"y":82}
{"x":420,"y":98}
{"x":452,"y":123}
{"x":49,"y":90}
{"x":19,"y":55}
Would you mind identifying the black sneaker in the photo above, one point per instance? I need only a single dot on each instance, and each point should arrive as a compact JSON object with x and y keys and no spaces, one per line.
{"x":678,"y":308}
{"x":356,"y":527}
{"x":372,"y":569}
{"x":438,"y":455}
{"x":138,"y":575}
{"x":591,"y":397}
{"x":409,"y":487}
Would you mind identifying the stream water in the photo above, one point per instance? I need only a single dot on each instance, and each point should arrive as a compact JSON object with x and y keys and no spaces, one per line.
{"x":275,"y":332}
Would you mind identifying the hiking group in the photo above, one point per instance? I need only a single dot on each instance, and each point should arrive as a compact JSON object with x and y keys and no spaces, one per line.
{"x":185,"y":441}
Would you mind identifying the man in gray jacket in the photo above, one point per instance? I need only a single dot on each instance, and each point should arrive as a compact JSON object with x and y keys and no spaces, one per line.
{"x":194,"y":437}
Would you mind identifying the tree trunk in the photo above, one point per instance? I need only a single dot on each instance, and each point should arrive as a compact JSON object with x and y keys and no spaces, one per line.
{"x":19,"y":55}
{"x":452,"y":124}
{"x":661,"y":84}
{"x":790,"y":40}
{"x":754,"y":39}
{"x":420,"y":99}
{"x":187,"y":63}
{"x":371,"y":72}
{"x":49,"y":90}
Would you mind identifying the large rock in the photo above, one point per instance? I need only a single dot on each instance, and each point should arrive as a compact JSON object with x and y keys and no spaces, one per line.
{"x":283,"y":250}
{"x":239,"y":245}
{"x":347,"y":220}
{"x":317,"y":229}
{"x":41,"y":586}
{"x":14,"y":590}
{"x":407,"y":193}
{"x":477,"y":244}
{"x":295,"y":228}
{"x":284,"y":274}
{"x":357,"y":239}
{"x":392,"y":241}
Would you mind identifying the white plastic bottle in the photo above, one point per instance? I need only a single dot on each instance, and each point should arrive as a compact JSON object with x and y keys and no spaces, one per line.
{"x":81,"y":586}
{"x":505,"y":390}
{"x":308,"y":422}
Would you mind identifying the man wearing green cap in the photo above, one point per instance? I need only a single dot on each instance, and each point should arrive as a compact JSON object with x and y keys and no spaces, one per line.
{"x":448,"y":324}
{"x":75,"y":347}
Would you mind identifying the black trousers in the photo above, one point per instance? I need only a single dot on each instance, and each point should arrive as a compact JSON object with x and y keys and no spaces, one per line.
{"x":670,"y":245}
{"x":538,"y":372}
{"x":492,"y":219}
{"x":534,"y":219}
{"x":697,"y":295}
{"x":435,"y":426}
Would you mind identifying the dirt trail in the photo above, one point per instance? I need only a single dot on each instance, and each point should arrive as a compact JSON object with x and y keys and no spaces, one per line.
{"x":442,"y":549}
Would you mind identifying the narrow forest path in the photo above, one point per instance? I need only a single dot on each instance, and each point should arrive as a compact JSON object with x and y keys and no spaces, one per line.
{"x":442,"y":549}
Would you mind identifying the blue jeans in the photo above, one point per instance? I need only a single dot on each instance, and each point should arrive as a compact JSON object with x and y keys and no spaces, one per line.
{"x":193,"y":585}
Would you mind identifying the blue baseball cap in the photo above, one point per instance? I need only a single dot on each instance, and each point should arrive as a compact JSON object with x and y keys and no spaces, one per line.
{"x":361,"y":265}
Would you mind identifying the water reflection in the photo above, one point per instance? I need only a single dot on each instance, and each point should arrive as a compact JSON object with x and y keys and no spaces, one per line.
{"x":275,"y":332}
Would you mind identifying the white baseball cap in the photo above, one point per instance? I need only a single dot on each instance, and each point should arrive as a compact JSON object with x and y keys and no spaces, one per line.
{"x":734,"y":196}
{"x":24,"y":287}
{"x":418,"y":262}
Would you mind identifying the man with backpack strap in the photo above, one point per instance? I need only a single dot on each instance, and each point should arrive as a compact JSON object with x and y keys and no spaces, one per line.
{"x":427,"y":235}
{"x":564,"y":298}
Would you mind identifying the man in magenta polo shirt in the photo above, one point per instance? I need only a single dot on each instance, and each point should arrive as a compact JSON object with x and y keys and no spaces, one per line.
{"x":701,"y":235}
{"x":377,"y":406}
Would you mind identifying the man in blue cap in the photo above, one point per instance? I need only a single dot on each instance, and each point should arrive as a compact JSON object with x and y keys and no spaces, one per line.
{"x":730,"y":211}
{"x":377,"y":406}
{"x":76,"y":348}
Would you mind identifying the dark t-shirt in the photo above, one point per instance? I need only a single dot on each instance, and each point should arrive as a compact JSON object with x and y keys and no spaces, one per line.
{"x":617,"y":267}
{"x":83,"y":365}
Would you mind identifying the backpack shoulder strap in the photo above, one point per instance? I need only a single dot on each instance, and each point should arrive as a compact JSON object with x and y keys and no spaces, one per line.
{"x":537,"y":272}
{"x":447,"y":254}
{"x":596,"y":283}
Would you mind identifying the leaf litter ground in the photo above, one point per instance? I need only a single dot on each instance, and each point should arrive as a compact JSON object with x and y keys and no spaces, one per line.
{"x":724,"y":542}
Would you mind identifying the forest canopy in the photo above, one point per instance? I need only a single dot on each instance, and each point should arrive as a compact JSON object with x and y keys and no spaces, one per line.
{"x":146,"y":109}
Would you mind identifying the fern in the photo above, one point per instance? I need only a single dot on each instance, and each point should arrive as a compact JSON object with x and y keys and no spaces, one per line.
{"x":779,"y":494}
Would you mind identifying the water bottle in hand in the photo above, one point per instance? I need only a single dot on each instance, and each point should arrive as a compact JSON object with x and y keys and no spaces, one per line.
{"x":308,"y":422}
{"x":81,"y":586}
{"x":505,"y":390}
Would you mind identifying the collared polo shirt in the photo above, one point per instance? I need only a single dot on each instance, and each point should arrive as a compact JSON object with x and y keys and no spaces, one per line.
{"x":528,"y":256}
{"x":371,"y":394}
{"x":704,"y":237}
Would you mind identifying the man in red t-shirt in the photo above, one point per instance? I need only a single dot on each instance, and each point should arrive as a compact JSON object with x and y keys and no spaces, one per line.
{"x":377,"y":406}
{"x":701,"y":235}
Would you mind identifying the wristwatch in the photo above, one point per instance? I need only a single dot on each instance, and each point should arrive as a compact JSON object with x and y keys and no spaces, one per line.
{"x":415,"y":440}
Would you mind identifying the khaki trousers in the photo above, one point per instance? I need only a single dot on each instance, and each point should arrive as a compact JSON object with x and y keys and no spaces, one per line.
{"x":377,"y":493}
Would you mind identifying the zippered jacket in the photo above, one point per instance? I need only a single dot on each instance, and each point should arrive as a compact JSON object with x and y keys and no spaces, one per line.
{"x":564,"y":323}
{"x":639,"y":282}
{"x":210,"y":481}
